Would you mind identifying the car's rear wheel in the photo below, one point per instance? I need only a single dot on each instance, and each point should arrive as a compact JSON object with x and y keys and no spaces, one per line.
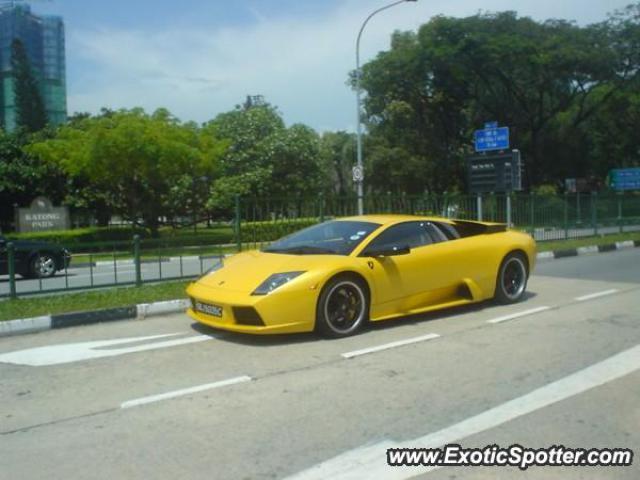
{"x":512,"y":279}
{"x":42,"y":265}
{"x":343,"y":307}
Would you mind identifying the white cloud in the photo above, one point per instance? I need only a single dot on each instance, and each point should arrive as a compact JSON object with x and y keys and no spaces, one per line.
{"x":299,"y":64}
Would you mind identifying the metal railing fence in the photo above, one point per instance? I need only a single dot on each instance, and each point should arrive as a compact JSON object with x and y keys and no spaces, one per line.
{"x":258,"y":221}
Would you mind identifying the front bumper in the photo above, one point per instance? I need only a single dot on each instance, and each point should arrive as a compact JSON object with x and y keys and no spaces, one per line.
{"x":279,"y":312}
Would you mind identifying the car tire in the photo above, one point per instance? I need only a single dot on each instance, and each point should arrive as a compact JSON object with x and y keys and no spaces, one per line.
{"x":343,"y":307}
{"x":42,"y":265}
{"x":513,"y":275}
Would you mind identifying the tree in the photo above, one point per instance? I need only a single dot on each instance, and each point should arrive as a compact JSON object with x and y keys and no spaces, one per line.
{"x":265,"y":158}
{"x":337,"y":158}
{"x":30,"y":112}
{"x":548,"y":81}
{"x":135,"y":163}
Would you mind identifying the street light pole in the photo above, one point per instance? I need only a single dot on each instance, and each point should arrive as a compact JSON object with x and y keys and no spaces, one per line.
{"x":360,"y":166}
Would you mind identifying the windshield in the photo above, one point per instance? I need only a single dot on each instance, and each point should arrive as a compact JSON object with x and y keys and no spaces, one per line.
{"x":329,"y":238}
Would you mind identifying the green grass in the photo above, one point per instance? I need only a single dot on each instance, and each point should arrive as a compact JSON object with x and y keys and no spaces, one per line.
{"x":545,"y":246}
{"x":94,"y":300}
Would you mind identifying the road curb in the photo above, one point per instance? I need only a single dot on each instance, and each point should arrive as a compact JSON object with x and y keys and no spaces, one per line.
{"x":75,"y":319}
{"x":588,"y":250}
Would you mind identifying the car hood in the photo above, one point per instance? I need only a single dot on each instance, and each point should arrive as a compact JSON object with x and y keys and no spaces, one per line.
{"x":245,"y":271}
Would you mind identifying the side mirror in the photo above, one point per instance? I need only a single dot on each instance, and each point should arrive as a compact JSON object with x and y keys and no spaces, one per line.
{"x":388,"y":252}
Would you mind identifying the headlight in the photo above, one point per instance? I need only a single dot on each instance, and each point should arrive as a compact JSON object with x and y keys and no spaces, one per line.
{"x":275,"y":281}
{"x":212,"y":269}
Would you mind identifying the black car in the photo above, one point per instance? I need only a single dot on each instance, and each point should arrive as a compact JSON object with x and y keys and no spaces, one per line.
{"x":34,"y":259}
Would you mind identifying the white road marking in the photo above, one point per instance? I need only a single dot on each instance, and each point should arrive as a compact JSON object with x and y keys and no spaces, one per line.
{"x":186,"y":391}
{"x":386,"y":346}
{"x":596,"y":295}
{"x":518,"y":314}
{"x":370,"y":461}
{"x":75,"y":352}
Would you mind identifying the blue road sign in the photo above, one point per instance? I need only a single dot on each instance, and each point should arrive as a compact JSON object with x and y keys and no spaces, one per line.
{"x":625,"y":178}
{"x":492,"y":139}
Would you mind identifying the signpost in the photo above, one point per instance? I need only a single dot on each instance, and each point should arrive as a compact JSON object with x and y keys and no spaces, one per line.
{"x":42,"y":216}
{"x":625,"y":179}
{"x":489,"y":139}
{"x":358,"y":174}
{"x":494,"y":168}
{"x":497,"y":172}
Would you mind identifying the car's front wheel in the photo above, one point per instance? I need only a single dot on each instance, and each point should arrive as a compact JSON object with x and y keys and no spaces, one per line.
{"x":343,"y":307}
{"x":512,"y":279}
{"x":42,"y":265}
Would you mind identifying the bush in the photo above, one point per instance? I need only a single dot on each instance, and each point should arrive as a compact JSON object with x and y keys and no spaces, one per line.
{"x":272,"y":230}
{"x":78,"y":236}
{"x":88,"y":239}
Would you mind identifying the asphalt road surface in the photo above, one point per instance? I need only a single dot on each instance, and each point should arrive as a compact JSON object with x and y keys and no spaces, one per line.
{"x":106,"y":273}
{"x":165,"y":399}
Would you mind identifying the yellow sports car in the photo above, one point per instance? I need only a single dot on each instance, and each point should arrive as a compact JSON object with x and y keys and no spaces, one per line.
{"x":336,"y":276}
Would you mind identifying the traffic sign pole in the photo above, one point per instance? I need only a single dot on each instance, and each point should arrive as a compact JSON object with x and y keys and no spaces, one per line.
{"x":620,"y":211}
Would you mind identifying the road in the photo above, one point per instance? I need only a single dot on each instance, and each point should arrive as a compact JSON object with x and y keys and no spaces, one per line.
{"x":106,"y":273}
{"x":561,"y":368}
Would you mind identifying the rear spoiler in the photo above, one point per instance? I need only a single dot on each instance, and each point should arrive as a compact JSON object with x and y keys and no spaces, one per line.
{"x":467,"y":228}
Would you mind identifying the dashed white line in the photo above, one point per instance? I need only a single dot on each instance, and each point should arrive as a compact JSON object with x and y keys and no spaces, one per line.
{"x":596,"y":295}
{"x":185,"y":391}
{"x":386,"y":346}
{"x":518,"y":314}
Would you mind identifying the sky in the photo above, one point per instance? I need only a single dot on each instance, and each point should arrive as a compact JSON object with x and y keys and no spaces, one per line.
{"x":199,"y":58}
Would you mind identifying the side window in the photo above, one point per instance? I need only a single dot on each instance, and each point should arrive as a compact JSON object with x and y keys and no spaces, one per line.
{"x":411,"y":234}
{"x":435,"y":233}
{"x":449,"y":230}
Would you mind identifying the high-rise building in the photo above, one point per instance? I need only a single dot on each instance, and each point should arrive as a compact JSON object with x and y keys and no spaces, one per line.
{"x":43,"y":39}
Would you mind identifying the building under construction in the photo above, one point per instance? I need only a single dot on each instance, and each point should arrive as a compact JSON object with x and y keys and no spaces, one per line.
{"x":43,"y":39}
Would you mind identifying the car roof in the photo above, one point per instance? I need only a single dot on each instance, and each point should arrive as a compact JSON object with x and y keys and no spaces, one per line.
{"x":388,"y":219}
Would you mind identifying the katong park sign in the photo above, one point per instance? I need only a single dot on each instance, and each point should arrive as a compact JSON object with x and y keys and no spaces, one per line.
{"x":42,"y":216}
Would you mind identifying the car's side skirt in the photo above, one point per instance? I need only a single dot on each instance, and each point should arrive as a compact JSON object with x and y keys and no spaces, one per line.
{"x":430,"y":308}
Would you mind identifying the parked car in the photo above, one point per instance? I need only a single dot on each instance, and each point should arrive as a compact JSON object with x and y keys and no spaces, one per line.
{"x":34,"y":259}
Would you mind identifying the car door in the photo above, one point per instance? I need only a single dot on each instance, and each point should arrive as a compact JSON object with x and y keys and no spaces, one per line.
{"x":401,"y":282}
{"x":468,"y":260}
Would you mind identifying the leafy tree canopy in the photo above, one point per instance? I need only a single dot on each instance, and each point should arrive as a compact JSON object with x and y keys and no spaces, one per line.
{"x":134,"y":161}
{"x":264,"y":158}
{"x":548,"y":81}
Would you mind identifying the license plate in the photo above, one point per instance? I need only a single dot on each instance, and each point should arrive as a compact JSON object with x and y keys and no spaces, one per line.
{"x":214,"y":310}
